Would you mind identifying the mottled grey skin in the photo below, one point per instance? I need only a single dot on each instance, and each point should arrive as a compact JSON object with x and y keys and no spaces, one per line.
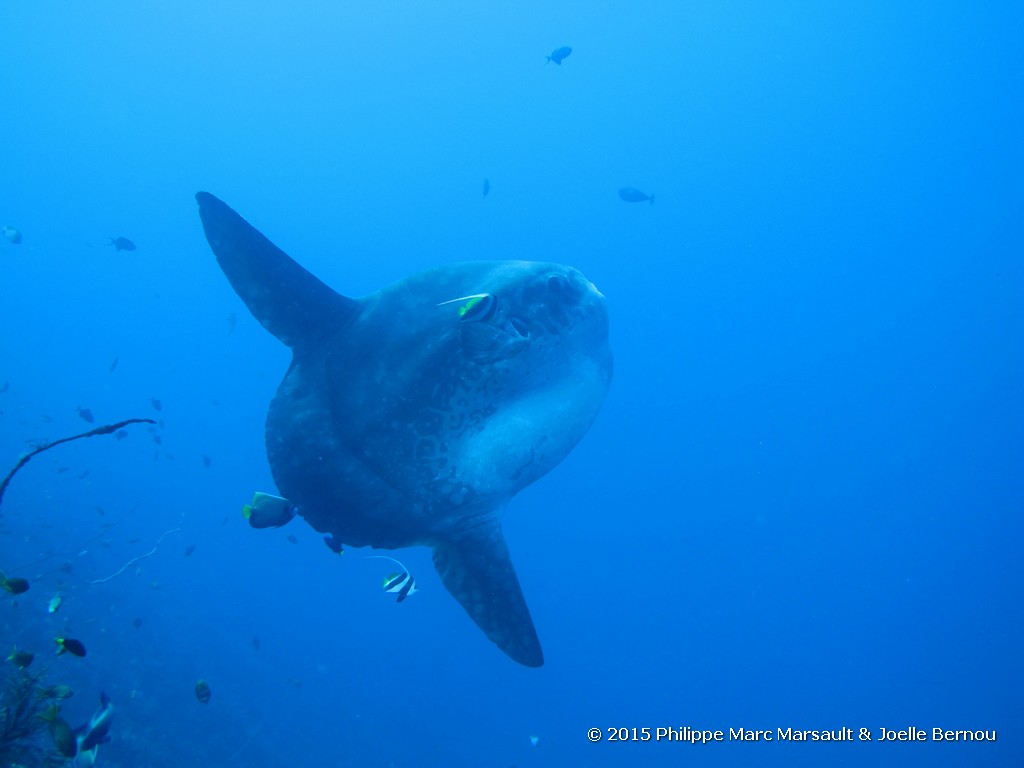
{"x":400,"y":423}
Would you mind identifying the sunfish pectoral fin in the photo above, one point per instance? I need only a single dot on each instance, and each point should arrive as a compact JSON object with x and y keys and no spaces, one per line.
{"x":478,"y":572}
{"x":288,"y":301}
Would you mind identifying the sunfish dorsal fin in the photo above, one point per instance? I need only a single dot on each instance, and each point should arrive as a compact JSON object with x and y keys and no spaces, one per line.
{"x":478,"y":572}
{"x":291,"y":303}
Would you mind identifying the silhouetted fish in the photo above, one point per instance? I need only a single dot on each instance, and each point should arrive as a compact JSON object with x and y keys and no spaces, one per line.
{"x":487,"y":187}
{"x":203,"y":691}
{"x":558,"y":54}
{"x":113,"y":365}
{"x":157,"y":405}
{"x":86,"y":415}
{"x":122,"y":244}
{"x":631,"y":195}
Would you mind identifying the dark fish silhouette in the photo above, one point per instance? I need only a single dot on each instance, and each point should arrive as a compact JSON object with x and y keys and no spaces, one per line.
{"x":70,"y":645}
{"x":157,"y":405}
{"x":122,"y":244}
{"x":15,"y":586}
{"x":203,"y":691}
{"x":113,"y":365}
{"x":95,"y":732}
{"x":487,"y":187}
{"x":631,"y":195}
{"x":86,"y":415}
{"x":559,"y":54}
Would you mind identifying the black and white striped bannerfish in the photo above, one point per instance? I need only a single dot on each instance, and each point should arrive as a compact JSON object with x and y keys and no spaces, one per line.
{"x":402,"y":583}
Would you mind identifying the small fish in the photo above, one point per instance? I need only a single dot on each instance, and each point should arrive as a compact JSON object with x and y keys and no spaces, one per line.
{"x":86,"y":415}
{"x":157,"y":405}
{"x":207,"y":461}
{"x":478,"y":307}
{"x":203,"y":692}
{"x":631,"y":195}
{"x":291,"y":538}
{"x":189,"y":550}
{"x":12,"y":235}
{"x":256,"y":642}
{"x":63,"y":737}
{"x":333,"y":544}
{"x":70,"y":645}
{"x":113,"y":365}
{"x":402,"y":584}
{"x":121,"y":434}
{"x":158,"y":440}
{"x":268,"y":511}
{"x":137,"y":622}
{"x":96,"y":731}
{"x":122,"y":244}
{"x":15,"y":586}
{"x":487,"y":187}
{"x":55,"y":602}
{"x":232,"y":322}
{"x":84,"y":474}
{"x":20,"y":659}
{"x":57,"y":692}
{"x":62,"y":470}
{"x":559,"y":54}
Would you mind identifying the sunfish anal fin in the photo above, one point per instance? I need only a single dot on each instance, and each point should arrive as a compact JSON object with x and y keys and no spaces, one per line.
{"x":477,"y":571}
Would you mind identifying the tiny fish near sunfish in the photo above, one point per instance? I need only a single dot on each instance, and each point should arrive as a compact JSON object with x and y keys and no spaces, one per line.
{"x":15,"y":586}
{"x":20,"y":659}
{"x":631,"y":195}
{"x":97,"y":731}
{"x":268,"y":511}
{"x":401,"y":584}
{"x":559,"y":54}
{"x":121,"y":244}
{"x":70,"y":645}
{"x":203,"y":692}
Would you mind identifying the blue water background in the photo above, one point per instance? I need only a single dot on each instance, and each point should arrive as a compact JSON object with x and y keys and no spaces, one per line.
{"x":801,"y":504}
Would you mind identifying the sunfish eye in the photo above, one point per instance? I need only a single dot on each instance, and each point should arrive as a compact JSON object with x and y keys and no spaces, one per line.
{"x":556,"y":284}
{"x":478,"y":308}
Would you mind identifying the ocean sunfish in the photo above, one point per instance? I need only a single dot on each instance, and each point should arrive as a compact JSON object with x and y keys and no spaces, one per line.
{"x":412,"y":415}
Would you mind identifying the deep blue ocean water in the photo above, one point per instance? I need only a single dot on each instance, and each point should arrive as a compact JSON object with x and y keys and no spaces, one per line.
{"x":800,"y":506}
